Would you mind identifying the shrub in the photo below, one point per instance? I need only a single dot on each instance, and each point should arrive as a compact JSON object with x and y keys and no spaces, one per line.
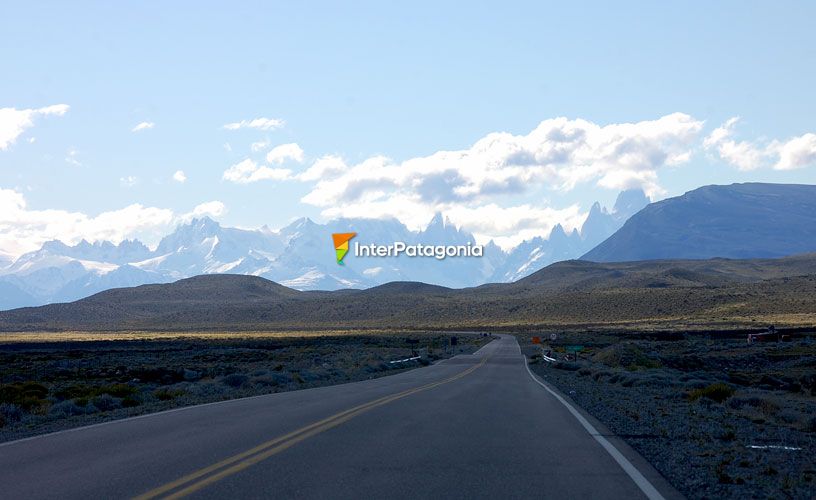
{"x":167,"y":394}
{"x":66,"y":409}
{"x":106,"y":402}
{"x":29,"y":396}
{"x":130,"y":402}
{"x":10,"y":413}
{"x":116,"y":390}
{"x":264,"y":381}
{"x":718,"y":392}
{"x":235,"y":380}
{"x":626,"y":354}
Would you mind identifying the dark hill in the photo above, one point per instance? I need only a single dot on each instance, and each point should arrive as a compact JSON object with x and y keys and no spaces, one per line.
{"x":739,"y":221}
{"x":569,"y":294}
{"x":211,"y":288}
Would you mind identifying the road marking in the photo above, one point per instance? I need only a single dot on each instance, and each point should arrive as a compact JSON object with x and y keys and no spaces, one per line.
{"x":173,"y":410}
{"x":639,"y":479}
{"x":203,"y":477}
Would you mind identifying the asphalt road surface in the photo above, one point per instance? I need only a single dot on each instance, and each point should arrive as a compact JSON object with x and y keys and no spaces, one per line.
{"x":474,"y":426}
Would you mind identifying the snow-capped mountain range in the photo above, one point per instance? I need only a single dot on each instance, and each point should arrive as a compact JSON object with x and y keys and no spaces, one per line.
{"x":299,"y":256}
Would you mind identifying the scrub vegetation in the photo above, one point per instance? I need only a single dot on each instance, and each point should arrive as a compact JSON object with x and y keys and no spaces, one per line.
{"x":717,"y":416}
{"x":48,"y":385}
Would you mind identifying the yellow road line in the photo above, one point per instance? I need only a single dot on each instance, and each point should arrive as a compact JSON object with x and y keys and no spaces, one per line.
{"x":265,"y":450}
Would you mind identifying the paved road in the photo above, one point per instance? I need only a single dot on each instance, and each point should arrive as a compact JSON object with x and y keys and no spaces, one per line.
{"x":475,"y":426}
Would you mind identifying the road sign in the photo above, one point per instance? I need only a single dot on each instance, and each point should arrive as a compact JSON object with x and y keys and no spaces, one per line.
{"x":575,"y":348}
{"x":536,"y":340}
{"x":553,"y":337}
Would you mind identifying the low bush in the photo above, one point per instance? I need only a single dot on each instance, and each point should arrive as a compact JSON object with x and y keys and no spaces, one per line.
{"x":626,"y":355}
{"x":106,"y":402}
{"x":718,"y":392}
{"x":66,"y":408}
{"x":235,"y":380}
{"x":30,"y":396}
{"x":167,"y":394}
{"x":10,"y":413}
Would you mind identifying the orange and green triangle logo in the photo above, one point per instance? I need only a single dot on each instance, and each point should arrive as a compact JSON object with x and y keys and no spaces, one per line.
{"x":341,"y":245}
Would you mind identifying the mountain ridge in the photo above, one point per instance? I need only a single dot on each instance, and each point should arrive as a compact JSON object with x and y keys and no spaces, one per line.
{"x":748,"y":220}
{"x":297,"y":255}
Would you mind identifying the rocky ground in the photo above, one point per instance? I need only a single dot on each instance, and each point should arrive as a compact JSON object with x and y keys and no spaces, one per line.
{"x":49,"y":386}
{"x":719,"y":418}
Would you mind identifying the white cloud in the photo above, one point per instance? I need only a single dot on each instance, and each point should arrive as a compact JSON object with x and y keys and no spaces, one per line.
{"x":259,"y":146}
{"x":280,"y":154}
{"x":742,"y":154}
{"x":24,"y":230}
{"x":472,"y":186}
{"x":257,"y":123}
{"x":180,"y":176}
{"x":559,"y":153}
{"x":128,"y":181}
{"x":325,"y":167}
{"x":71,"y":156}
{"x":211,"y":209}
{"x":143,"y":126}
{"x":13,"y":122}
{"x":247,"y":171}
{"x":797,"y":152}
{"x":227,"y":147}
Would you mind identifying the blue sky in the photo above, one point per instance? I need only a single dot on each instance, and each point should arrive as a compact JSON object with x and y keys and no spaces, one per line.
{"x":352,"y":81}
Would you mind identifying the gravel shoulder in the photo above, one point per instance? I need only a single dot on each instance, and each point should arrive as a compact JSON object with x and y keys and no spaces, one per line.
{"x":717,"y":417}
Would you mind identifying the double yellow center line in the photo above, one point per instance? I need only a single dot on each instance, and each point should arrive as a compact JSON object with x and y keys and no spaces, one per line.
{"x":208,"y":475}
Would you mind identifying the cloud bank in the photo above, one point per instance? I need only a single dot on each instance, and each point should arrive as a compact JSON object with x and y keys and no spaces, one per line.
{"x":24,"y":230}
{"x":13,"y":122}
{"x":794,"y":153}
{"x":473,"y":185}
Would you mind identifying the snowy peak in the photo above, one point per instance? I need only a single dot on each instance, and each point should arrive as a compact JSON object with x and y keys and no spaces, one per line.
{"x":630,"y":202}
{"x":300,"y":255}
{"x":440,"y":230}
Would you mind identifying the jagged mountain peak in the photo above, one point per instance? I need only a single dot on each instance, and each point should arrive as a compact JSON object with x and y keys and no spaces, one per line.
{"x":300,"y":255}
{"x":629,"y":202}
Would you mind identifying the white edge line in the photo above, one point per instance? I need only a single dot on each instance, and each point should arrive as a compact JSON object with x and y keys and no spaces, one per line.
{"x":645,"y":486}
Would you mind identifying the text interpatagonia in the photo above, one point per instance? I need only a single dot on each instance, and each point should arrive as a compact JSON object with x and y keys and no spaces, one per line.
{"x":417,"y":250}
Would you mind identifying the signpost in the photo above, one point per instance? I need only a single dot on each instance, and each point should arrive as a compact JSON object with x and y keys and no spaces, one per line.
{"x":575,"y":349}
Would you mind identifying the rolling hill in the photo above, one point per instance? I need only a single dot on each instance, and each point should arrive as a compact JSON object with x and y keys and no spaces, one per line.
{"x":571,"y":294}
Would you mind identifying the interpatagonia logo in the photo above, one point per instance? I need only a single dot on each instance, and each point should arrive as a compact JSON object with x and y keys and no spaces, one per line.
{"x":341,"y":245}
{"x":400,"y":248}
